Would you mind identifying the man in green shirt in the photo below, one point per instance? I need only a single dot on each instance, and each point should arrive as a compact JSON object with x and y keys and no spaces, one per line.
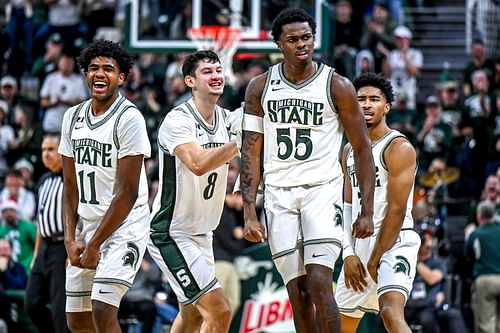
{"x":21,"y":233}
{"x":482,"y":248}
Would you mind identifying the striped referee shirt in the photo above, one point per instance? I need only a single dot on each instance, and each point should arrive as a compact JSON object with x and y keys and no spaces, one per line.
{"x":49,"y":212}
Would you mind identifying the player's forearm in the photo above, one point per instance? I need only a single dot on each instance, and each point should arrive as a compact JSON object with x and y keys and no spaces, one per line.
{"x":250,"y":169}
{"x":70,"y":206}
{"x":250,"y":178}
{"x":212,"y":158}
{"x":118,"y":210}
{"x":388,"y":234}
{"x":365,"y":173}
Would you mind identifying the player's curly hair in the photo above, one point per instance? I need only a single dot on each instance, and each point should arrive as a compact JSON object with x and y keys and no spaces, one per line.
{"x":288,"y":16}
{"x":106,"y":48}
{"x":191,"y":62}
{"x":375,"y":80}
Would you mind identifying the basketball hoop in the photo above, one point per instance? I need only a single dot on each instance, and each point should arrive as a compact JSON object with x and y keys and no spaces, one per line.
{"x":223,"y":40}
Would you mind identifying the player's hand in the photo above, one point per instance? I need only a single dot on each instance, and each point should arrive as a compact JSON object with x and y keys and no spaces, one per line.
{"x":372,"y":267}
{"x":254,"y":231}
{"x":362,"y":227}
{"x":90,"y":257}
{"x":354,"y":274}
{"x":74,"y":250}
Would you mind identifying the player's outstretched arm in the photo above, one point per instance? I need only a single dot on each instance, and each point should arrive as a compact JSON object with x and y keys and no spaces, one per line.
{"x":352,"y":118}
{"x":200,"y":160}
{"x":251,"y":152}
{"x":401,"y":161}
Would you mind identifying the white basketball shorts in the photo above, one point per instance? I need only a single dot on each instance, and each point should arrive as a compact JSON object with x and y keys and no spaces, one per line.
{"x":304,"y":225}
{"x":395,"y":273}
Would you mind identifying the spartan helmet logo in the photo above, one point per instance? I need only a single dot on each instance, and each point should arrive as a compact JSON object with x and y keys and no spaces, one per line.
{"x":402,"y":265}
{"x":131,"y":257}
{"x":339,"y":220}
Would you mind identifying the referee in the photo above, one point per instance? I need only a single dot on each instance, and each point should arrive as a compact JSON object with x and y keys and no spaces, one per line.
{"x":47,"y":280}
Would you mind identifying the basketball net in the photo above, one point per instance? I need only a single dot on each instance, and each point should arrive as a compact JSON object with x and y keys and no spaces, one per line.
{"x":222,"y":40}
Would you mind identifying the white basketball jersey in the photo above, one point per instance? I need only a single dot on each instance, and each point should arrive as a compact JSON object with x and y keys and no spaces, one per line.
{"x":96,"y":144}
{"x":381,"y":181}
{"x":302,"y":131}
{"x":189,"y":204}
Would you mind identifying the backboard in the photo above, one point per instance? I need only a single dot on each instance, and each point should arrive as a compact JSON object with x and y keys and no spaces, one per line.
{"x":161,"y":26}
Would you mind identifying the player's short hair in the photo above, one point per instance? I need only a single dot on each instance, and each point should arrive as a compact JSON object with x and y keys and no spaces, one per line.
{"x":191,"y":61}
{"x":288,"y":16}
{"x":106,"y":48}
{"x":375,"y":80}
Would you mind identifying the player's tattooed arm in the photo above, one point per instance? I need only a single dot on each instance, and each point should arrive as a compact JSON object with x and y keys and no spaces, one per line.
{"x":251,"y":152}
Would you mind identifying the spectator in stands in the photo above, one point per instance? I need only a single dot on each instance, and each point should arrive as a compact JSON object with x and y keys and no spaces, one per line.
{"x":27,"y":138}
{"x":181,"y":22}
{"x":495,"y":84}
{"x":452,"y":114}
{"x":178,"y":92}
{"x":139,"y":299}
{"x":482,"y":248}
{"x":346,"y":41}
{"x":12,"y":274}
{"x":364,"y":62}
{"x":9,"y":92}
{"x":426,"y":295}
{"x":20,"y":31}
{"x":493,"y":162}
{"x":491,"y":193}
{"x":478,"y":61}
{"x":403,"y":65}
{"x":47,"y":63}
{"x":15,"y":192}
{"x":234,"y":94}
{"x":20,"y":232}
{"x":64,"y":17}
{"x":433,"y":136}
{"x":401,"y":117}
{"x":487,"y":15}
{"x":98,"y":14}
{"x":26,"y":169}
{"x":12,"y":277}
{"x":478,"y":122}
{"x":61,"y":90}
{"x":6,"y":136}
{"x":377,"y":33}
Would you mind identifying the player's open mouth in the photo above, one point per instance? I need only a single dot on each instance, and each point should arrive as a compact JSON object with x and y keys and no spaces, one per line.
{"x":99,"y":86}
{"x":216,"y":84}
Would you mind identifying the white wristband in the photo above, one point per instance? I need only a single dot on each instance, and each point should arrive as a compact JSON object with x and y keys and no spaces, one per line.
{"x":347,"y":249}
{"x":253,"y":123}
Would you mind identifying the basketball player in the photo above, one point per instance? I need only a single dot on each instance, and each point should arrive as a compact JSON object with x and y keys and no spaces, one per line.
{"x":382,"y":266}
{"x":105,"y":206}
{"x":193,"y":163}
{"x":294,"y":118}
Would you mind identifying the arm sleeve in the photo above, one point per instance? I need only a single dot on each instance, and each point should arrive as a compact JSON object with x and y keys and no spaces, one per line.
{"x":347,"y":236}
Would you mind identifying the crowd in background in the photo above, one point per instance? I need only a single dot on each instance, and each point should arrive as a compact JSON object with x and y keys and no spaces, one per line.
{"x":456,"y":130}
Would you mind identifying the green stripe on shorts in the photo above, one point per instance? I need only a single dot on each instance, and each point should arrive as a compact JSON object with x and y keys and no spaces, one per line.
{"x":160,"y":224}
